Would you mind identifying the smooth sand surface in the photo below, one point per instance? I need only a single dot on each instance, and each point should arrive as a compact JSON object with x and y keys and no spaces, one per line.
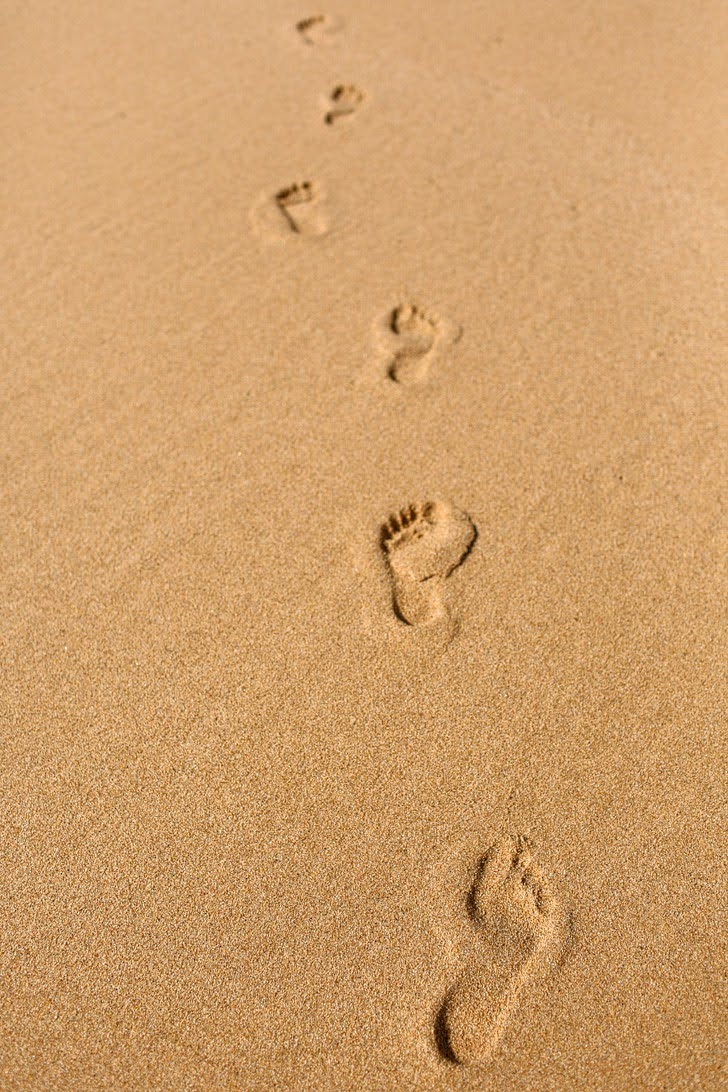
{"x":363,"y":594}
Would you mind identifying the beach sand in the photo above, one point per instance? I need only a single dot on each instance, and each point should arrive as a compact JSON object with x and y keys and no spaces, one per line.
{"x":363,"y":611}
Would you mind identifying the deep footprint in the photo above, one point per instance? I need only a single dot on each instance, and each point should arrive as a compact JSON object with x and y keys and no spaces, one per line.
{"x":300,"y":206}
{"x":423,"y":544}
{"x":520,"y":935}
{"x":345,"y":100}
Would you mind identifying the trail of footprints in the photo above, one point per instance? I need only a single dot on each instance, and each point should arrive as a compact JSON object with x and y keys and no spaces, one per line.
{"x":518,"y":927}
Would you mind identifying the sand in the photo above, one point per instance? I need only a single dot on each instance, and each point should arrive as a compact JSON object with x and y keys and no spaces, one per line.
{"x":363,"y":588}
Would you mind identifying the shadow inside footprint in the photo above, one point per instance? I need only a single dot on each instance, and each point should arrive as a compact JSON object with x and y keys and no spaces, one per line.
{"x":442,"y":1035}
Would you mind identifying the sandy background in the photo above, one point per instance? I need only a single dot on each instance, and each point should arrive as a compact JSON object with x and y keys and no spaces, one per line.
{"x":242,"y":802}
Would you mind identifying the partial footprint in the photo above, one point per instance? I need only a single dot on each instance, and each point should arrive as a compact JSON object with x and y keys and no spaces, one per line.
{"x":411,"y":339}
{"x":423,"y":544}
{"x":318,"y":29}
{"x":521,"y":932}
{"x":297,"y":209}
{"x":343,"y":101}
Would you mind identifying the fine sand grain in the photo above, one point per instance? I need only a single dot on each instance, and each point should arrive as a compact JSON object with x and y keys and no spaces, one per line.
{"x":363,"y":403}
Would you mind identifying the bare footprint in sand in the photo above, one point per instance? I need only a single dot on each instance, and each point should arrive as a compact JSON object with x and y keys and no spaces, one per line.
{"x":297,"y":209}
{"x":317,"y":30}
{"x":412,"y":339}
{"x":343,"y":102}
{"x":300,"y":206}
{"x":423,"y":544}
{"x":521,"y":932}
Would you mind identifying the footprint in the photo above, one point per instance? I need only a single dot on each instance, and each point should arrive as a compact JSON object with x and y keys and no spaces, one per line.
{"x":299,"y":204}
{"x":297,"y":209}
{"x":344,"y":101}
{"x":318,"y":29}
{"x":521,"y":930}
{"x":423,"y":544}
{"x":412,"y":338}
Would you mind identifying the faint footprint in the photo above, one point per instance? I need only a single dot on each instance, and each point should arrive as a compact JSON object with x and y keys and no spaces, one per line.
{"x":411,"y":339}
{"x":344,"y":101}
{"x":423,"y":544}
{"x":318,"y":29}
{"x":521,"y":935}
